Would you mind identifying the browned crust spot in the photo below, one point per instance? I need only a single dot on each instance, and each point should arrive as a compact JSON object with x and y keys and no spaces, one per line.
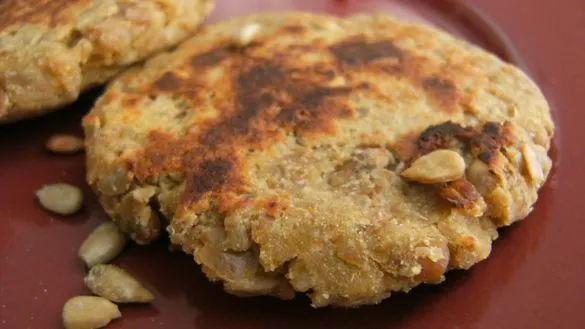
{"x":294,"y":29}
{"x":210,"y":58}
{"x":131,"y":102}
{"x":442,"y":92}
{"x":274,"y":205}
{"x":167,"y":82}
{"x":487,"y":144}
{"x":484,"y":142}
{"x":442,"y":136}
{"x":460,"y":193}
{"x":359,"y":51}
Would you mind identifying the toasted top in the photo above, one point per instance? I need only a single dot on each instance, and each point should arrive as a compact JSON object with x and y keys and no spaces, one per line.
{"x":14,"y":13}
{"x":206,"y":107}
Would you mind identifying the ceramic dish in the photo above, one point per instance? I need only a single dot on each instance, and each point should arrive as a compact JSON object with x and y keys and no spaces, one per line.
{"x":535,"y":277}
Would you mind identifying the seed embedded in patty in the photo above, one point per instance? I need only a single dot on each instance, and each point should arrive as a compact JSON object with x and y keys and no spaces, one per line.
{"x":62,"y":199}
{"x":439,"y":166}
{"x":533,"y":165}
{"x":88,"y":312}
{"x":102,"y":245}
{"x":246,"y":34}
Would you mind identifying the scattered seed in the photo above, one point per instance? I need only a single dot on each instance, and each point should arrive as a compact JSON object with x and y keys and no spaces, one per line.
{"x":89,"y":312}
{"x":64,"y":144}
{"x":116,"y":285}
{"x":439,"y":166}
{"x":246,"y":34}
{"x":63,"y":199}
{"x":102,"y":245}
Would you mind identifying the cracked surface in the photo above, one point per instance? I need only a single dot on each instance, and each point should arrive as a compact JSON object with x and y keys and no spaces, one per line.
{"x":278,"y":165}
{"x":50,"y":51}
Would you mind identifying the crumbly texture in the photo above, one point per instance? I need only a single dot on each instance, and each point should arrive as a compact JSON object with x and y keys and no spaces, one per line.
{"x":51,"y":50}
{"x":279,"y":164}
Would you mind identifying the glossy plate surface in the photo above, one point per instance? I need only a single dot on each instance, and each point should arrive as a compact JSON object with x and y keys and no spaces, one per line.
{"x":535,"y":277}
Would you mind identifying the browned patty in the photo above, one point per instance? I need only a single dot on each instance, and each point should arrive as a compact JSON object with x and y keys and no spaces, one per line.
{"x":342,"y":158}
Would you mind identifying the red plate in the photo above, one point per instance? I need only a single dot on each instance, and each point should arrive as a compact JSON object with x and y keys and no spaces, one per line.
{"x":534,"y":278}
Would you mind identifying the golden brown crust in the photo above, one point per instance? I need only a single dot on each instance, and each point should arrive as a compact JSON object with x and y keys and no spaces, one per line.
{"x":308,"y":107}
{"x":50,"y":51}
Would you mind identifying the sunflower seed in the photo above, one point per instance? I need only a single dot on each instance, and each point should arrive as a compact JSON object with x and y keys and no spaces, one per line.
{"x":439,"y":166}
{"x":116,"y":285}
{"x":88,"y":312}
{"x":64,"y":144}
{"x":102,"y":245}
{"x":246,"y":34}
{"x":533,"y":165}
{"x":63,"y":199}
